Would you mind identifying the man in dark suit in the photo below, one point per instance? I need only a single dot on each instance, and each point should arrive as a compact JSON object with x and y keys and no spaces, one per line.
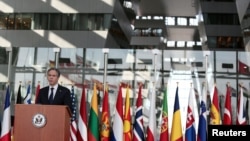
{"x":54,"y":94}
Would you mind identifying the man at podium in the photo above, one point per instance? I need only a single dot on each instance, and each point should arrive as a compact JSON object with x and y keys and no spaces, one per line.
{"x":54,"y":94}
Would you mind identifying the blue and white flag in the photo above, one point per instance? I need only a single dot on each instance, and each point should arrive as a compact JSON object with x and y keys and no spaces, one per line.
{"x":27,"y":99}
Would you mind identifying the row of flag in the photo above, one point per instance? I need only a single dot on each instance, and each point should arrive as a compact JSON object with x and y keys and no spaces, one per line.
{"x":88,"y":127}
{"x":123,"y":129}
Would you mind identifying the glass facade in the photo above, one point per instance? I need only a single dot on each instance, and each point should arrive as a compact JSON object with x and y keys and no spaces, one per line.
{"x":54,"y":21}
{"x":129,"y":67}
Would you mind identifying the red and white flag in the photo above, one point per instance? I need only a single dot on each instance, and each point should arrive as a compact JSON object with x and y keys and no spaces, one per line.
{"x":151,"y":135}
{"x":82,"y":131}
{"x":227,"y":118}
{"x":37,"y":90}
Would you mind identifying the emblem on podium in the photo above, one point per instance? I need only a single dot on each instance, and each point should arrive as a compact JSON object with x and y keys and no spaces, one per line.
{"x":39,"y":120}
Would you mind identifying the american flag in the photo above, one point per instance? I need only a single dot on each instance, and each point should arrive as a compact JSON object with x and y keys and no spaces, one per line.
{"x":73,"y":126}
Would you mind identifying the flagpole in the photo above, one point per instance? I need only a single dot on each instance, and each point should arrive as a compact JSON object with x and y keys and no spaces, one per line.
{"x":9,"y":50}
{"x":206,"y":88}
{"x":152,"y":124}
{"x":155,"y":52}
{"x":56,"y":50}
{"x":247,"y":107}
{"x":105,"y":51}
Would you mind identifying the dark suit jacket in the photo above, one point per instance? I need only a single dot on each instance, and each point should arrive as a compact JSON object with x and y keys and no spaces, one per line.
{"x":62,"y":97}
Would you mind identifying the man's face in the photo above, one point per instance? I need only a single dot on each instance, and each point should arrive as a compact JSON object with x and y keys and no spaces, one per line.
{"x":52,"y":77}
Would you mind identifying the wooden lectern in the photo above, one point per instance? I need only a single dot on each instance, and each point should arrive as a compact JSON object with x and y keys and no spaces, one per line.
{"x":35,"y":122}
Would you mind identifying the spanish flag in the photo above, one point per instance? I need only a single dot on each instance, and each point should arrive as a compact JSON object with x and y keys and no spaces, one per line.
{"x":93,"y":126}
{"x":215,"y":112}
{"x":127,"y":119}
{"x":176,"y":131}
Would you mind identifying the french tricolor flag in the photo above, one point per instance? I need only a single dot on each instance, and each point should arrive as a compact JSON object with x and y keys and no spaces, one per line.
{"x":6,"y":125}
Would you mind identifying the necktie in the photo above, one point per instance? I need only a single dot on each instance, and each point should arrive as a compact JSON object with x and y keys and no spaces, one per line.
{"x":51,"y":96}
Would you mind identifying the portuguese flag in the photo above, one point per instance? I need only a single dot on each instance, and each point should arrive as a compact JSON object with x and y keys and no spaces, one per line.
{"x":93,"y":126}
{"x":164,"y":123}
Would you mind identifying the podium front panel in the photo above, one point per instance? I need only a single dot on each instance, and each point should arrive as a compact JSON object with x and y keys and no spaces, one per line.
{"x":41,"y":122}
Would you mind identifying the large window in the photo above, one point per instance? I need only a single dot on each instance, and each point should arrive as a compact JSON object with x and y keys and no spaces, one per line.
{"x":40,"y":21}
{"x":221,"y":19}
{"x":55,"y":21}
{"x":23,"y":21}
{"x":228,"y":42}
